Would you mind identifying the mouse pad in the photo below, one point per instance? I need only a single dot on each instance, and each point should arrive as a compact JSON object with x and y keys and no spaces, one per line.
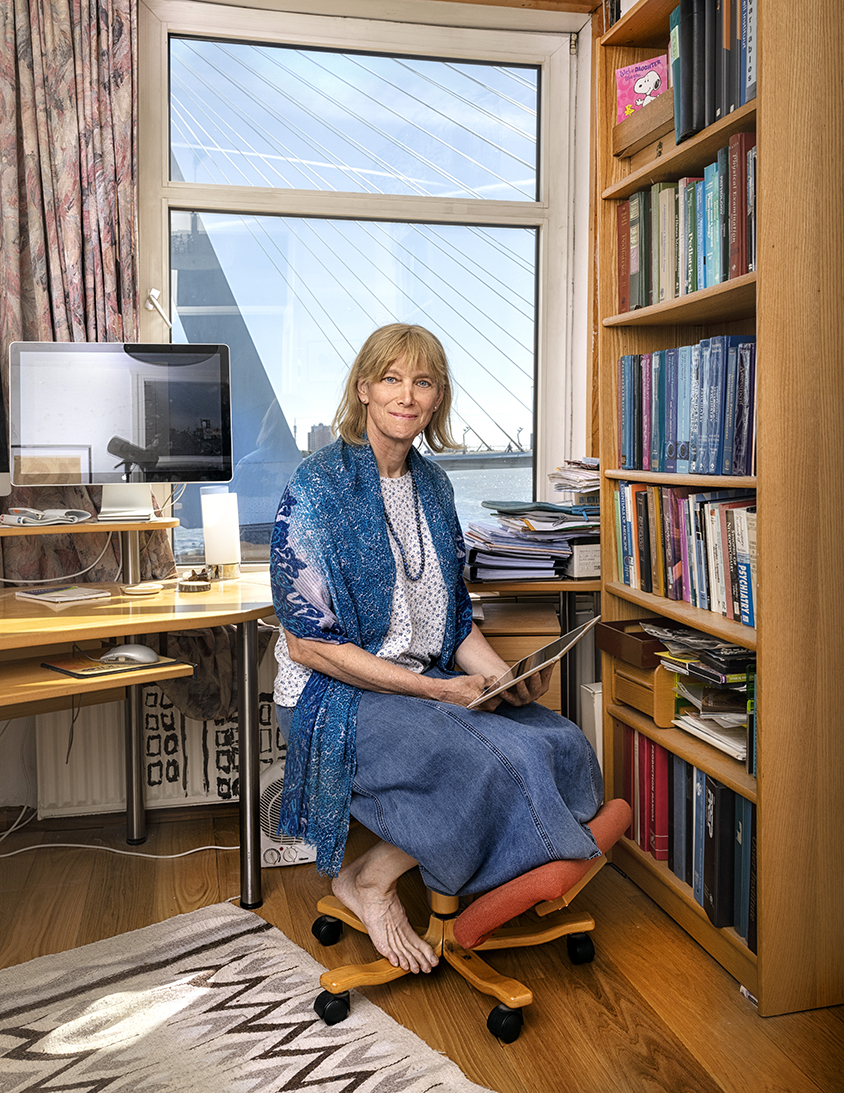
{"x":83,"y":668}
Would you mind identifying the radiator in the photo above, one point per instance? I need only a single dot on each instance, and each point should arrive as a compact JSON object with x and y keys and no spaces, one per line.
{"x":81,"y":769}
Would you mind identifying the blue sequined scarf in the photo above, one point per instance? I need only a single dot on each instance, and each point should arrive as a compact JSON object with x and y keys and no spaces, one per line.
{"x":333,"y":574}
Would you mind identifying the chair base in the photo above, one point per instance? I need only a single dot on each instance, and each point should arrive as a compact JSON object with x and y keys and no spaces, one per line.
{"x":556,"y":921}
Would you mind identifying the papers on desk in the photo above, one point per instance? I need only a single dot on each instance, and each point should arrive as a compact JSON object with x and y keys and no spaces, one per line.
{"x":62,"y":595}
{"x":527,"y":540}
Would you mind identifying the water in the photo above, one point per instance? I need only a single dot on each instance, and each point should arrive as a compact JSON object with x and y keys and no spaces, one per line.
{"x":471,"y":487}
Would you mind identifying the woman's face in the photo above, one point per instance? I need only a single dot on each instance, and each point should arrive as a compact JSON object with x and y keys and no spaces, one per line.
{"x":401,"y":404}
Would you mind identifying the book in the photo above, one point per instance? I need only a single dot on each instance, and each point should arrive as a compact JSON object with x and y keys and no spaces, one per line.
{"x":677,"y":831}
{"x":726,"y":68}
{"x":712,"y":248}
{"x":640,"y":250}
{"x":639,"y":84}
{"x":715,"y":406}
{"x":81,"y":667}
{"x":623,"y":236}
{"x":694,"y":406}
{"x":658,"y":410}
{"x":750,"y":53}
{"x":718,"y":851}
{"x":643,"y":540}
{"x":684,"y":408}
{"x":723,"y":236}
{"x":671,"y":367}
{"x":738,"y":148}
{"x":70,"y":593}
{"x":700,"y":232}
{"x":667,"y":239}
{"x":698,"y":55}
{"x":698,"y":825}
{"x":681,"y":89}
{"x":646,"y":374}
{"x":709,"y":62}
{"x":659,"y":801}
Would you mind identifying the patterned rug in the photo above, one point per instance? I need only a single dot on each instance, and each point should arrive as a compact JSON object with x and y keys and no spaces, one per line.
{"x":215,"y":1001}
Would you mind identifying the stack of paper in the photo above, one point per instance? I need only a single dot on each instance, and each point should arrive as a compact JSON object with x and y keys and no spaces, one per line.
{"x":578,"y":480}
{"x":525,"y":541}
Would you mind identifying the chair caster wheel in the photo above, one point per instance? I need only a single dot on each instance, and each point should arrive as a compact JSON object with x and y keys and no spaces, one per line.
{"x":327,"y":930}
{"x":505,"y":1023}
{"x":581,"y":948}
{"x":332,"y":1008}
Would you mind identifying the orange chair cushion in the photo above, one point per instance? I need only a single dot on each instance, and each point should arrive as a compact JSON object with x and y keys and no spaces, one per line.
{"x":485,"y":914}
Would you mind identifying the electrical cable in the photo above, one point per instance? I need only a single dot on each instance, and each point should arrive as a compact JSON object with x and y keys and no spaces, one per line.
{"x":67,"y":576}
{"x":113,"y":850}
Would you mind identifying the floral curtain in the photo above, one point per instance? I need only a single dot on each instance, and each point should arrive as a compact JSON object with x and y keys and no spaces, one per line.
{"x":68,"y":223}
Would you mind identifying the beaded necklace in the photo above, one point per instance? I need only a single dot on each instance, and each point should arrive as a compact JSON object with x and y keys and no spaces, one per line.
{"x":418,"y":513}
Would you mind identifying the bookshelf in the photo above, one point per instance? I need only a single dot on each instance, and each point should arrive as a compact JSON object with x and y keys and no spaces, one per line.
{"x":793,"y":305}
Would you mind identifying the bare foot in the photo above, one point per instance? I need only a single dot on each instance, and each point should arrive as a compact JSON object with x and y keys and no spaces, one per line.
{"x":367,"y":886}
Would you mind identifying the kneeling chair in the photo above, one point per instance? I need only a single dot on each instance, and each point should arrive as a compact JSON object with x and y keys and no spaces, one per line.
{"x":457,"y":936}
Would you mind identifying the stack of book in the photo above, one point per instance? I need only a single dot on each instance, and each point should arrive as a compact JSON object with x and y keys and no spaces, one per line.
{"x":687,"y":544}
{"x":704,"y":831}
{"x":713,"y":61}
{"x":675,"y":238}
{"x":527,"y":540}
{"x":690,"y":409}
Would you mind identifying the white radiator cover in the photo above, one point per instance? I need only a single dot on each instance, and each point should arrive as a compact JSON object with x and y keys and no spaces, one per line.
{"x":185,"y":762}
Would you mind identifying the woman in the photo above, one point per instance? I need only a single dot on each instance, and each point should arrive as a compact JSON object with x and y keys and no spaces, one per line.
{"x":379,"y":658}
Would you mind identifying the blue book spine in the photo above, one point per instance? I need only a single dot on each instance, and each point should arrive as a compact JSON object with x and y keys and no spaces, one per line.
{"x":646,"y":411}
{"x":699,"y":466}
{"x":743,"y":567}
{"x":715,"y":415}
{"x":671,"y":373}
{"x":627,"y":438}
{"x":700,"y":215}
{"x":745,"y":382}
{"x":657,"y":409}
{"x":713,"y":241}
{"x":684,"y":409}
{"x":694,"y":406}
{"x":698,"y":836}
{"x":730,"y":381}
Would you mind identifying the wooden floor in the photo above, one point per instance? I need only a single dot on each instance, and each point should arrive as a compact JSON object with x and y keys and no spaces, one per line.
{"x":652,"y":1012}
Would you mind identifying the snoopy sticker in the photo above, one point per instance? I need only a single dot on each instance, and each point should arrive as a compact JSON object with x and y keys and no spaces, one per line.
{"x":648,"y":87}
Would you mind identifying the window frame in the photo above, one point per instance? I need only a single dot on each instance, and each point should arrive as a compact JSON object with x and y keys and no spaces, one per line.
{"x":559,"y":387}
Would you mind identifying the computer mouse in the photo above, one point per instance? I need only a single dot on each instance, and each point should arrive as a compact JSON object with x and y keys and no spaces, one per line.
{"x":129,"y":654}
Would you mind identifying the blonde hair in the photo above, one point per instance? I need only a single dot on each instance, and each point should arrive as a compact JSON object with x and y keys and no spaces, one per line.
{"x":381,"y":348}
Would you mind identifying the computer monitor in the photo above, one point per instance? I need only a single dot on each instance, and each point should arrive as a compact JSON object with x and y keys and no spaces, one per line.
{"x":116,"y":415}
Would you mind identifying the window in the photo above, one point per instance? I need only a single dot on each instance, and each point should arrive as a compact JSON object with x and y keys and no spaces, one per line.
{"x":302,"y":186}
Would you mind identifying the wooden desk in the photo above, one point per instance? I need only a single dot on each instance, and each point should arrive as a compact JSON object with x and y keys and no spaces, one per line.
{"x":27,"y":625}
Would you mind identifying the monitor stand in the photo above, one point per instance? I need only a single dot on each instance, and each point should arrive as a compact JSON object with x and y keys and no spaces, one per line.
{"x":124,"y":501}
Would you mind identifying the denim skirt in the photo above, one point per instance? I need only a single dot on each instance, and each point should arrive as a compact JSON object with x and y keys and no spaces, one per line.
{"x":475,"y":798}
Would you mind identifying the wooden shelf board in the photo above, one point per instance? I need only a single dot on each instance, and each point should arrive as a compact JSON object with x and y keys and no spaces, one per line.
{"x":683,"y":612}
{"x":706,"y":481}
{"x":493,"y":588}
{"x":731,"y":772}
{"x":731,"y":300}
{"x":688,"y":158}
{"x":677,"y":899}
{"x":88,"y":527}
{"x":643,"y":25}
{"x":25,"y":681}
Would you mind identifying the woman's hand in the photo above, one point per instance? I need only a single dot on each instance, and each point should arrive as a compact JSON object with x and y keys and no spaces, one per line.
{"x":463,"y":690}
{"x":530,"y":689}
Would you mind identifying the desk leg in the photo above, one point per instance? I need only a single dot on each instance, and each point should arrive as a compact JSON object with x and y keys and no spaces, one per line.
{"x":248,"y":748}
{"x":136,"y":823}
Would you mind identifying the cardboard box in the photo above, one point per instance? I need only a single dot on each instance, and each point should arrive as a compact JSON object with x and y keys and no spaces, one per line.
{"x":627,"y":640}
{"x":585,"y":560}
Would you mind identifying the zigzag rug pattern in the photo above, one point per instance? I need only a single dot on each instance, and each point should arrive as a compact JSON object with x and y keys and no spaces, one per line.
{"x":213,"y":1001}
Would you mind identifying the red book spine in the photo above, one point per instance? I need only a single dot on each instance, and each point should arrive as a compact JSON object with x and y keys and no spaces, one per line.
{"x":738,"y":147}
{"x":659,"y":802}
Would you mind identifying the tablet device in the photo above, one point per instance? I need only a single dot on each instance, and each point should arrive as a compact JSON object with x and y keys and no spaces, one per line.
{"x":535,"y":662}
